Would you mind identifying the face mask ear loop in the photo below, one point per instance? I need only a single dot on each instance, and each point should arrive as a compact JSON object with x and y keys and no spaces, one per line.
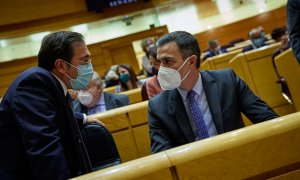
{"x":183,"y":64}
{"x":186,"y":76}
{"x":70,"y":64}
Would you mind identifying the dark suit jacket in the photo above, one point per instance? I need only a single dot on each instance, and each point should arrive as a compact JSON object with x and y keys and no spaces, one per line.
{"x":112,"y":101}
{"x":293,"y":14}
{"x":212,"y":54}
{"x":227,"y":97}
{"x":39,"y":136}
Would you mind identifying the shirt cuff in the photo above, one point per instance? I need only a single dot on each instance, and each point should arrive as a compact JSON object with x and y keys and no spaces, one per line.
{"x":85,"y":118}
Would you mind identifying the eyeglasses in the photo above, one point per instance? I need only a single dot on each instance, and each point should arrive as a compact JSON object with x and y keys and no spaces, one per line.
{"x":87,"y":60}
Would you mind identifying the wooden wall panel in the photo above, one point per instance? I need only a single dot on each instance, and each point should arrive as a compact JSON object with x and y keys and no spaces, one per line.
{"x":18,"y":18}
{"x":240,"y":29}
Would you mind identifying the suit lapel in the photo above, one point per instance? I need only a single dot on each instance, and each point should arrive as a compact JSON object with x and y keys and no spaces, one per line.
{"x":212,"y":96}
{"x":177,"y":109}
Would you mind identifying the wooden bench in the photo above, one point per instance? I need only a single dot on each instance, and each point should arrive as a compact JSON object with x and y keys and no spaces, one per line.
{"x":265,"y":150}
{"x":218,"y":62}
{"x":111,"y":89}
{"x":289,"y":68}
{"x":256,"y":69}
{"x":134,"y":95}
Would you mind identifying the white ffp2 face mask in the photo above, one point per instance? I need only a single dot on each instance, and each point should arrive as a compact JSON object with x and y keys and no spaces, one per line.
{"x":85,"y":98}
{"x":169,"y":78}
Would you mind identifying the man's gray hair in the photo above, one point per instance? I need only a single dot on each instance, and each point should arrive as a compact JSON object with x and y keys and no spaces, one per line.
{"x":97,"y":79}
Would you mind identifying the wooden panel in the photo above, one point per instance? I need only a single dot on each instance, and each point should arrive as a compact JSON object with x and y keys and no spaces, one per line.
{"x":125,"y":55}
{"x":126,"y":145}
{"x":148,"y":167}
{"x":24,"y":18}
{"x":142,"y":139}
{"x":114,"y":120}
{"x":134,"y":95}
{"x":288,"y":67}
{"x":111,"y":89}
{"x":240,"y":29}
{"x":219,"y":62}
{"x":288,"y":176}
{"x":138,"y":113}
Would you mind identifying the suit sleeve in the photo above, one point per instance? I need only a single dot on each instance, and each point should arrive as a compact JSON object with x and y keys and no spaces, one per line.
{"x":293,"y":15}
{"x":251,"y":105}
{"x":160,"y":141}
{"x":36,"y":115}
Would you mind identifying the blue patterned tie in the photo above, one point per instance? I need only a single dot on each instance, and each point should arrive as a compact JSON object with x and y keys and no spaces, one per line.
{"x":197,"y":116}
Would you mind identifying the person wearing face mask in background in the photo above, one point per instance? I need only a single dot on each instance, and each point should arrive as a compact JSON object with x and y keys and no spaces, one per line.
{"x":193,"y":105}
{"x":257,"y":39}
{"x":214,"y":49}
{"x":40,"y":137}
{"x":127,"y":78}
{"x":93,"y":100}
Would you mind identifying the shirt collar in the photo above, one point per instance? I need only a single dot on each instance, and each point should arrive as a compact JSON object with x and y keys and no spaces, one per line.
{"x":197,"y":88}
{"x":63,"y":85}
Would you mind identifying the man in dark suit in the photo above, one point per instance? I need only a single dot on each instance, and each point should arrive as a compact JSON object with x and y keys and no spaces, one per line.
{"x":196,"y":105}
{"x":214,"y":49}
{"x":39,"y":136}
{"x":94,"y":100}
{"x":293,"y":16}
{"x":257,"y":39}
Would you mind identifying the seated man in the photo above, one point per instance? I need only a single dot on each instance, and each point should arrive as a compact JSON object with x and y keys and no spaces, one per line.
{"x":93,"y":100}
{"x":214,"y":49}
{"x":194,"y":105}
{"x":257,"y":39}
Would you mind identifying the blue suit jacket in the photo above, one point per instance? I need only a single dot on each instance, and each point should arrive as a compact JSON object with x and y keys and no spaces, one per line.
{"x":39,"y":136}
{"x":212,"y":54}
{"x":227,"y":96}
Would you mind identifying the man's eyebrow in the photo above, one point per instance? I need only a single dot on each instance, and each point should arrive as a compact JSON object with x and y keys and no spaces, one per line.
{"x":166,"y":58}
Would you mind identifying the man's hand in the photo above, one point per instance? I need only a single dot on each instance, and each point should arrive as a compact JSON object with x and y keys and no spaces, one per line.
{"x":91,"y":119}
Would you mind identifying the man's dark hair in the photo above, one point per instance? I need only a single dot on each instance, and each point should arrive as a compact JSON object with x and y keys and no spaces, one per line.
{"x":187,"y":43}
{"x":277,"y":33}
{"x":58,"y":45}
{"x":153,"y":52}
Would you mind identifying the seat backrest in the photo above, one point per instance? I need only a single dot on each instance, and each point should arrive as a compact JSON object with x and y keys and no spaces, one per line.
{"x":219,"y":62}
{"x":288,"y":68}
{"x":134,"y":95}
{"x":101,"y":147}
{"x":256,"y":69}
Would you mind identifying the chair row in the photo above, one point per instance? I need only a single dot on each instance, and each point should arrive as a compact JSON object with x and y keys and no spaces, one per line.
{"x":261,"y":151}
{"x":134,"y":95}
{"x":256,"y":69}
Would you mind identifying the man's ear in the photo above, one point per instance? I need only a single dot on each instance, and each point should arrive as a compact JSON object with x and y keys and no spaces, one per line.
{"x":193,"y":60}
{"x":59,"y":66}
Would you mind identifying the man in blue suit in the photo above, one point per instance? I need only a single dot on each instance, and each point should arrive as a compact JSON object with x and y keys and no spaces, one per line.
{"x":39,"y":136}
{"x":194,"y":105}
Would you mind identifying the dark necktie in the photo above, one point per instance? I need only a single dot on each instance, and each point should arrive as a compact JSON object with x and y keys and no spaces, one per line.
{"x":84,"y":161}
{"x":197,"y":116}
